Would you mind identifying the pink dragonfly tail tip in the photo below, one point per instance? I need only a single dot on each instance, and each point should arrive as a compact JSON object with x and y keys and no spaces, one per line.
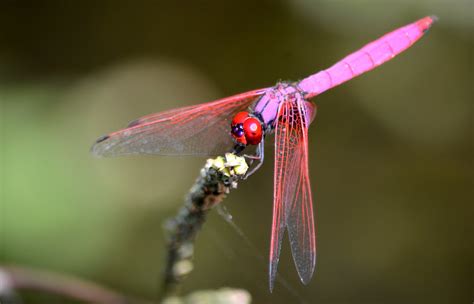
{"x":425,"y":23}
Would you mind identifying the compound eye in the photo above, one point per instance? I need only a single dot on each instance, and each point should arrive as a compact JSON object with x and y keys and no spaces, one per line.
{"x":253,"y":130}
{"x":239,"y":118}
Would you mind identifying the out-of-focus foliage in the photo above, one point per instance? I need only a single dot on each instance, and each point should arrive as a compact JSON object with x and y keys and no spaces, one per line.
{"x":390,"y":152}
{"x":221,"y":296}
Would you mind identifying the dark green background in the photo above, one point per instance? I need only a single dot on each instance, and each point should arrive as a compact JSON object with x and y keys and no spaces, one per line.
{"x":390,"y":152}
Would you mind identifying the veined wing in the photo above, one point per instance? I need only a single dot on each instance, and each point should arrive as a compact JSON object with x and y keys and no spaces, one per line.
{"x":202,"y":129}
{"x":292,"y":205}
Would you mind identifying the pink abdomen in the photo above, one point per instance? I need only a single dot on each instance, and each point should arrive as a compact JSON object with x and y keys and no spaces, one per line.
{"x":365,"y":59}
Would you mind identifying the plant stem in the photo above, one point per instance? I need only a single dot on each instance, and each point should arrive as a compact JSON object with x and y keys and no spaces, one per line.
{"x":209,"y":189}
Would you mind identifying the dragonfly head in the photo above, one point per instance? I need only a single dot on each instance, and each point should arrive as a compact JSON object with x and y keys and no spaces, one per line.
{"x":246,"y":129}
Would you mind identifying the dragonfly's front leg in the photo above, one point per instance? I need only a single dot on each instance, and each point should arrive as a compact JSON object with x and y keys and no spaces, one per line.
{"x":259,"y":155}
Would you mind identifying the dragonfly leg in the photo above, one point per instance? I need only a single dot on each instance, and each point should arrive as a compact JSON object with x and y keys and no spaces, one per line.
{"x":259,"y":155}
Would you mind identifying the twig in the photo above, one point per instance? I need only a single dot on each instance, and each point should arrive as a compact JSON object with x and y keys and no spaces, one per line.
{"x":218,"y":176}
{"x":13,"y":278}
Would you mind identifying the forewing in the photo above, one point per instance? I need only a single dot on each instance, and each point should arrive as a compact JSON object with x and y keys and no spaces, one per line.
{"x":194,"y":130}
{"x":292,"y":193}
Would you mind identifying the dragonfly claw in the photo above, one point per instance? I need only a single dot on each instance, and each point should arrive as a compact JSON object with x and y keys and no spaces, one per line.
{"x":258,"y":156}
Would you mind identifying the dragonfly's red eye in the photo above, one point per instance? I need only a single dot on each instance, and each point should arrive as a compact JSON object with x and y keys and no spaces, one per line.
{"x":253,"y":130}
{"x":237,"y":127}
{"x":239,"y":118}
{"x":245,"y":129}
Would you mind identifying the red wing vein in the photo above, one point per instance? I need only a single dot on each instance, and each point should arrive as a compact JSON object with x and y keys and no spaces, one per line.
{"x":194,"y":130}
{"x":292,"y":192}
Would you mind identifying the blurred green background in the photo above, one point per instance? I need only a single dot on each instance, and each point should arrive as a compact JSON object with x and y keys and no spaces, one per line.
{"x":390,"y":152}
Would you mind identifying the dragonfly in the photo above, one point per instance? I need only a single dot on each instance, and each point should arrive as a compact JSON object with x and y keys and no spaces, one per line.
{"x":235,"y":123}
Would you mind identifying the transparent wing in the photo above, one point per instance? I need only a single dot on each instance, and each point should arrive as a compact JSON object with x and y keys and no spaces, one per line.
{"x":292,"y":205}
{"x":202,"y":129}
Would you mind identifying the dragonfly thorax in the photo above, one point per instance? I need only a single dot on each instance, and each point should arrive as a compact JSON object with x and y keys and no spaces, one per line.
{"x":268,"y":105}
